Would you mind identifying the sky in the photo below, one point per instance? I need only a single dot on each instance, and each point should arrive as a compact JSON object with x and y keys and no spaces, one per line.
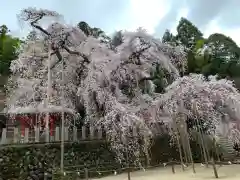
{"x":210,"y":16}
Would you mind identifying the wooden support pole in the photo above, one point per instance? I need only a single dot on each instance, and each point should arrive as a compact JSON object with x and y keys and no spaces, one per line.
{"x":179,"y":149}
{"x":199,"y":128}
{"x":128,"y":164}
{"x":129,"y":173}
{"x":62,"y":142}
{"x":213,"y":161}
{"x":128,"y":167}
{"x":173,"y":168}
{"x":214,"y":168}
{"x":86,"y":174}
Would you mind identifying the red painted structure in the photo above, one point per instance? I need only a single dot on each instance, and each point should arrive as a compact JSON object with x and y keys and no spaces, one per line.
{"x":30,"y":121}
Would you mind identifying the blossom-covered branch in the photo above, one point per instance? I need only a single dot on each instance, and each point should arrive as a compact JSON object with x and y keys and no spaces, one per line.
{"x":34,"y":16}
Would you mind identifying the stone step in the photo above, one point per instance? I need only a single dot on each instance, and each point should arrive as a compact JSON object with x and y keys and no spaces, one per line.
{"x":227,"y":145}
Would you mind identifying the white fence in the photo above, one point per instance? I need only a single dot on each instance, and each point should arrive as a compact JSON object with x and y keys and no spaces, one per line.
{"x":16,"y":135}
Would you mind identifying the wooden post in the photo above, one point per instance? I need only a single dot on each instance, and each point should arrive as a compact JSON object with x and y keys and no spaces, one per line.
{"x":74,"y":134}
{"x":66,"y":133}
{"x":99,"y":132}
{"x":51,"y":127}
{"x":4,"y":136}
{"x":189,"y":148}
{"x":135,"y":133}
{"x":146,"y":152}
{"x":15,"y":135}
{"x":185,"y":133}
{"x":47,"y":134}
{"x":201,"y":135}
{"x":204,"y":149}
{"x":83,"y":133}
{"x":180,"y":150}
{"x":86,"y":173}
{"x":191,"y":158}
{"x":78,"y":176}
{"x":129,"y":171}
{"x":128,"y":164}
{"x":49,"y":87}
{"x":57,"y":137}
{"x":26,"y":135}
{"x":37,"y":133}
{"x":45,"y":176}
{"x":92,"y":132}
{"x":62,"y":142}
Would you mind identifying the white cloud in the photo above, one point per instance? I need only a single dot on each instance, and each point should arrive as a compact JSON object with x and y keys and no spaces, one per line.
{"x":125,"y":15}
{"x":183,"y":12}
{"x":146,"y":14}
{"x":214,"y":27}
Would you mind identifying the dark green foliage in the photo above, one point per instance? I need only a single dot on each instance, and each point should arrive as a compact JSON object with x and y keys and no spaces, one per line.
{"x":93,"y":31}
{"x":161,"y":78}
{"x":221,"y":57}
{"x":160,"y":154}
{"x":21,"y":162}
{"x":168,"y":37}
{"x":85,"y":28}
{"x":9,"y":49}
{"x":117,"y":39}
{"x":187,"y":33}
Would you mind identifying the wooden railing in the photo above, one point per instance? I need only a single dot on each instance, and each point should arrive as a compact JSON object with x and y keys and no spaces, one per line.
{"x":37,"y":136}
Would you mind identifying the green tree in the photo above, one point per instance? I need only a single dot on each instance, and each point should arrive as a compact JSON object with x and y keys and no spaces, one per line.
{"x":226,"y":55}
{"x":168,"y":37}
{"x":224,"y":59}
{"x":188,"y":34}
{"x":223,"y":47}
{"x":9,"y":49}
{"x":95,"y":32}
{"x":117,"y":39}
{"x":216,"y":55}
{"x":201,"y":58}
